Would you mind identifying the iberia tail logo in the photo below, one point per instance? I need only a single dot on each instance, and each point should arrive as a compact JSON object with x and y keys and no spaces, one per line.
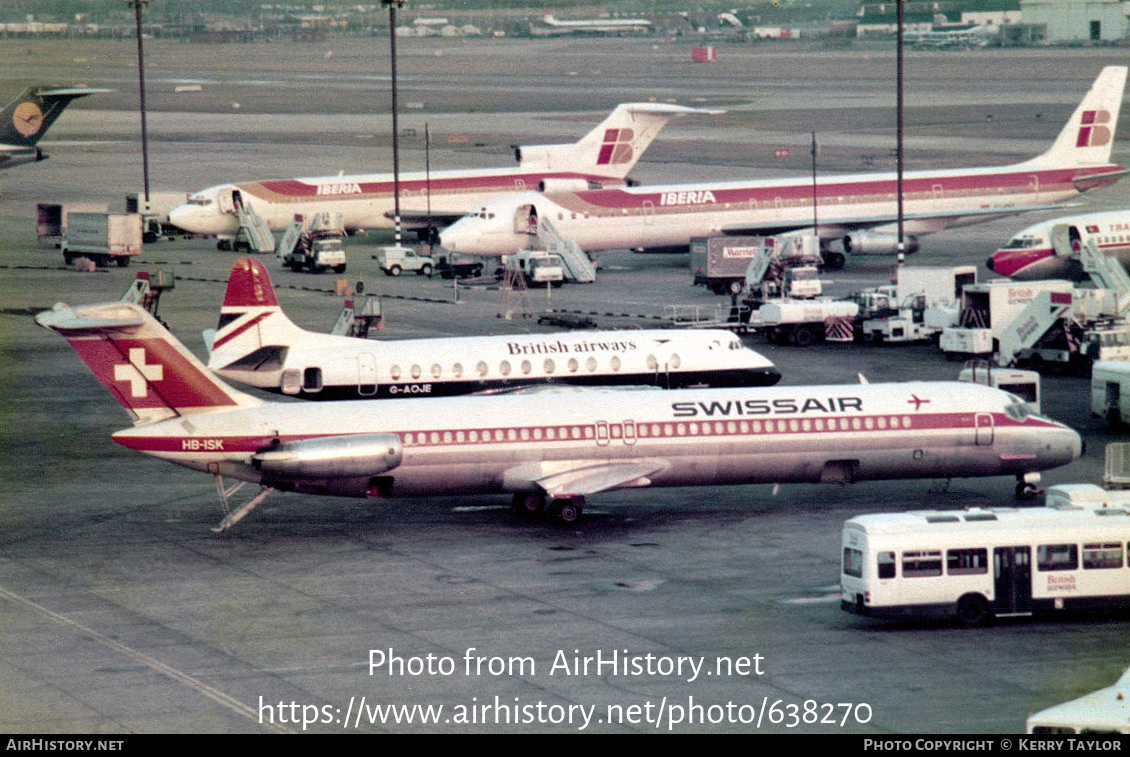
{"x":1094,"y":131}
{"x":616,"y":147}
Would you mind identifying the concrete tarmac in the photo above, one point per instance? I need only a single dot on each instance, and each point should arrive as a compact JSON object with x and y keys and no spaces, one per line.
{"x":123,"y":612}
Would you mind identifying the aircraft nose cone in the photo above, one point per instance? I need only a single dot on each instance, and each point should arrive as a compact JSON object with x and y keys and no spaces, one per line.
{"x":989,"y":264}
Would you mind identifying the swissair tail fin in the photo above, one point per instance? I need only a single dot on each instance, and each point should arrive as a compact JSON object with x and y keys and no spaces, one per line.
{"x":1088,"y":137}
{"x":151,"y":374}
{"x":253,"y":330}
{"x":613,"y":147}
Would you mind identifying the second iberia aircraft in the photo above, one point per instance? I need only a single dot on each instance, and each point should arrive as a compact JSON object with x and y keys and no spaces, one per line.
{"x":852,"y":214}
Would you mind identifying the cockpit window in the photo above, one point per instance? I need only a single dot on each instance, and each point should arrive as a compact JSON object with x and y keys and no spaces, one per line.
{"x":1017,"y":409}
{"x":1020,"y":243}
{"x":202,"y":200}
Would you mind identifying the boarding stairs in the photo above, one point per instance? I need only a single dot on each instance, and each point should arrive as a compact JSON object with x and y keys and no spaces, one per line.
{"x":1108,"y":274}
{"x":1033,"y":323}
{"x":359,"y":318}
{"x":578,"y":267}
{"x":254,"y":233}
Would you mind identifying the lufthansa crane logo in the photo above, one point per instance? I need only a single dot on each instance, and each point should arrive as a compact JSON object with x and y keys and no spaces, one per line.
{"x":137,"y":373}
{"x":28,"y":119}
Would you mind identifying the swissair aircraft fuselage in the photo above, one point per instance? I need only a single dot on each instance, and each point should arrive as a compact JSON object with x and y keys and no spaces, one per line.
{"x":561,"y":448}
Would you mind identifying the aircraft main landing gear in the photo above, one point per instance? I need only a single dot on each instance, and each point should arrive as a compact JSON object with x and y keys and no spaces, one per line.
{"x":563,"y":510}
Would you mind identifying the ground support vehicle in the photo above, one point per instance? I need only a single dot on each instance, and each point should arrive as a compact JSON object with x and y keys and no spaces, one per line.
{"x":394,"y":260}
{"x":102,"y":237}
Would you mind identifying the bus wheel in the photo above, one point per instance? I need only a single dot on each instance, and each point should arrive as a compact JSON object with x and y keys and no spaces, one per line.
{"x":972,"y":611}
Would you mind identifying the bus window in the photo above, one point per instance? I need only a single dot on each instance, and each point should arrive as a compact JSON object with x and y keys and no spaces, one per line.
{"x":1100,"y":556}
{"x":921,"y":564}
{"x":1057,"y":557}
{"x":853,"y":562}
{"x":967,"y":562}
{"x":886,"y":565}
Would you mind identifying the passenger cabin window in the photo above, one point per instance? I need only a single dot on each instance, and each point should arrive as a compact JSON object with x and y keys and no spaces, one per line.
{"x":1102,"y":556}
{"x":482,"y":368}
{"x":1057,"y":557}
{"x":921,"y":564}
{"x":886,"y":564}
{"x":967,"y":562}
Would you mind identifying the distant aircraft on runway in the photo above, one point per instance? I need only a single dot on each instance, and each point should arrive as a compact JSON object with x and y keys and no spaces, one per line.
{"x":256,"y":344}
{"x":549,"y":449}
{"x":857,"y":212}
{"x":26,"y":119}
{"x":1050,"y":249}
{"x":550,"y":26}
{"x":429,"y":201}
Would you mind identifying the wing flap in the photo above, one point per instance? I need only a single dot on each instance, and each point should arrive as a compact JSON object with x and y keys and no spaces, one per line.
{"x":559,"y":478}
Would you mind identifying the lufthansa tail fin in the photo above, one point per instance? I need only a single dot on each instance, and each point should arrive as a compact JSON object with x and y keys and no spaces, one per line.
{"x":253,"y":331}
{"x":151,"y":374}
{"x":1088,"y":137}
{"x":24,"y":120}
{"x":613,"y":147}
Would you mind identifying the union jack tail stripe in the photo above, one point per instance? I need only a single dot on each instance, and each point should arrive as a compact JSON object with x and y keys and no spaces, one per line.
{"x":151,"y":374}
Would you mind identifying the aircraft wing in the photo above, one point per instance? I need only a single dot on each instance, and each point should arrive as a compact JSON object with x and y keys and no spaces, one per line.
{"x":559,"y":478}
{"x":864,"y":222}
{"x":412,"y":218}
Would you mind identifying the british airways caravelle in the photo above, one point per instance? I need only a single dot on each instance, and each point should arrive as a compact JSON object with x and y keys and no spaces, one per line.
{"x":553,"y":453}
{"x":1051,"y":249}
{"x":257,"y":345}
{"x":603,"y":157}
{"x":858,"y":212}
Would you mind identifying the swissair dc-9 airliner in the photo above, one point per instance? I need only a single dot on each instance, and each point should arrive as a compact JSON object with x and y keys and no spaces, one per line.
{"x":856,"y":212}
{"x":603,"y":157}
{"x":256,"y":344}
{"x":548,"y":454}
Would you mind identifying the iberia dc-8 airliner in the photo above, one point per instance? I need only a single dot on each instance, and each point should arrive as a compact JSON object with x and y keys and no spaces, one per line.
{"x":430,"y":200}
{"x":549,"y":450}
{"x":854,"y":213}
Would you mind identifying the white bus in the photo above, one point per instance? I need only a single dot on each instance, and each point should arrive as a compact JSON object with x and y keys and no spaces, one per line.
{"x":1103,"y":711}
{"x":977,"y":564}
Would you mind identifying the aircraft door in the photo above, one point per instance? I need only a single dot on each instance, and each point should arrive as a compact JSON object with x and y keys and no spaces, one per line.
{"x":224,"y":200}
{"x":629,"y":432}
{"x":1066,"y":240}
{"x":526,"y":219}
{"x":602,"y":435}
{"x":983,"y":423}
{"x":366,"y":375}
{"x":1034,"y":187}
{"x":1012,"y":580}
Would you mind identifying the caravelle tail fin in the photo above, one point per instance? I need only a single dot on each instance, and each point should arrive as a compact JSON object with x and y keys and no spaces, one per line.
{"x":253,"y":332}
{"x":151,"y":374}
{"x":1088,"y":137}
{"x":614,"y":146}
{"x":24,"y":120}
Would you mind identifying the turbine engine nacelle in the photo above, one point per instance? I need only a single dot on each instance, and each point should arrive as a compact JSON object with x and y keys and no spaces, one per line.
{"x":549,"y":186}
{"x":872,"y":243}
{"x":355,"y":456}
